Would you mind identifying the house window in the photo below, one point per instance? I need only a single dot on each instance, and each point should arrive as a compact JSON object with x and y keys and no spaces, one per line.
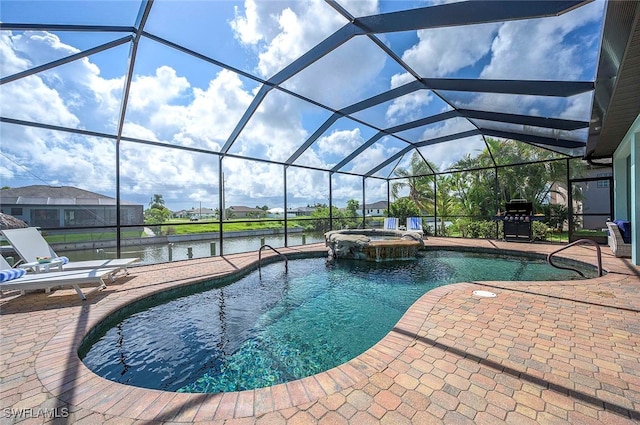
{"x":41,"y":217}
{"x":16,"y":211}
{"x":601,"y":184}
{"x":81,"y":217}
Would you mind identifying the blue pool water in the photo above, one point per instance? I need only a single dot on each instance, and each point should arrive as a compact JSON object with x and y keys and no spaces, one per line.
{"x":259,"y":332}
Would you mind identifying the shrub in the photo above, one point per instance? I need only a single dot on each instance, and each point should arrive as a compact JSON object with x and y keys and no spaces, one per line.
{"x":475,"y":228}
{"x":539,"y":230}
{"x":428,"y":230}
{"x":482,"y":229}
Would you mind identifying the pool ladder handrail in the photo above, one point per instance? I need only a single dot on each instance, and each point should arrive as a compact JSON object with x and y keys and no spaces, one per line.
{"x":578,"y":242}
{"x":286,"y":260}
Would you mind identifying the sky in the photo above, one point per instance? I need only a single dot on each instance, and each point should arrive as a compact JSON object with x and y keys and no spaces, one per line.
{"x":179,"y":100}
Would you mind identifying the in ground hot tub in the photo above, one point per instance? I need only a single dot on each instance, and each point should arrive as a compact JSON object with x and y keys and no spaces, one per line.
{"x":373,"y":244}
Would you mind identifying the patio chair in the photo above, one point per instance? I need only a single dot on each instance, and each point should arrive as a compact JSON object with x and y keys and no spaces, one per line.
{"x":391,"y":223}
{"x":414,"y":224}
{"x":30,"y":246}
{"x":19,"y":280}
{"x":618,"y":246}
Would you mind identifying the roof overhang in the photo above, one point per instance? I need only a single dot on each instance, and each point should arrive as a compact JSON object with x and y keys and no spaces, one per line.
{"x":617,"y":95}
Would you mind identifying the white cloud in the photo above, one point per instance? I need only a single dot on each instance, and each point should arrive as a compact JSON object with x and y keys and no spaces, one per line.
{"x":149,"y":92}
{"x":443,"y":155}
{"x":12,"y":62}
{"x":341,"y":142}
{"x":166,"y":106}
{"x":409,"y":107}
{"x":72,"y":95}
{"x":538,"y":49}
{"x":185,"y":115}
{"x":370,"y":157}
{"x":275,"y":130}
{"x":289,"y":29}
{"x":286,"y":29}
{"x":251,"y":183}
{"x":345,"y":187}
{"x":444,"y":51}
{"x":247,"y":28}
{"x":306,"y":186}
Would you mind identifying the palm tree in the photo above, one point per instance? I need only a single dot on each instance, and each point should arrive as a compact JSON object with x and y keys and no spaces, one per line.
{"x":157,"y":201}
{"x":419,"y":180}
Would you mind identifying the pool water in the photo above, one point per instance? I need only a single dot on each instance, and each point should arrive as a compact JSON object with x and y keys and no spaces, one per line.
{"x":257,"y":332}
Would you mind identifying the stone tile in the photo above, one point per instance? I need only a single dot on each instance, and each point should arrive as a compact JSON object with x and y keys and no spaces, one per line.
{"x":466,"y":359}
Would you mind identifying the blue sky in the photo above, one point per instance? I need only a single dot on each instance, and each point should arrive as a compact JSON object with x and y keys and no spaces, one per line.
{"x":179,"y":100}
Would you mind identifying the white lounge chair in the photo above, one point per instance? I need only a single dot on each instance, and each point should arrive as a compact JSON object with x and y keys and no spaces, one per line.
{"x":414,"y":224}
{"x":73,"y":278}
{"x":391,"y":223}
{"x":29,"y":245}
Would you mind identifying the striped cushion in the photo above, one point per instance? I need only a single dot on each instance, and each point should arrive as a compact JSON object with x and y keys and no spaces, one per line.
{"x":10,"y":274}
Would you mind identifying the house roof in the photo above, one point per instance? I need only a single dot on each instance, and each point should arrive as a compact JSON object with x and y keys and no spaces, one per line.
{"x":616,"y":104}
{"x":376,"y":205}
{"x":240,"y":208}
{"x":55,"y":195}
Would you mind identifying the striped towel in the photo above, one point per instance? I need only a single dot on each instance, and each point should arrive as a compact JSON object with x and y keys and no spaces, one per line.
{"x":10,"y":274}
{"x":63,"y":260}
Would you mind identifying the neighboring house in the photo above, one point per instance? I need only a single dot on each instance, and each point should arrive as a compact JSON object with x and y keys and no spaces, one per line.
{"x":196,"y":213}
{"x":375,"y":209}
{"x":300,"y":211}
{"x":246,"y":212}
{"x":66,"y":206}
{"x":596,"y":198}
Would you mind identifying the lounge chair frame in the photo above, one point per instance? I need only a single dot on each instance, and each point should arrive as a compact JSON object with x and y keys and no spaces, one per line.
{"x":29,"y":245}
{"x":72,"y":278}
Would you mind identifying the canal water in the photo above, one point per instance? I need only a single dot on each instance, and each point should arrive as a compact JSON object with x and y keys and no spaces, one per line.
{"x":175,"y":251}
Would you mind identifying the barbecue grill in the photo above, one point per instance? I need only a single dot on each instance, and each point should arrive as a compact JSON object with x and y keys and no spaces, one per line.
{"x":517,"y":218}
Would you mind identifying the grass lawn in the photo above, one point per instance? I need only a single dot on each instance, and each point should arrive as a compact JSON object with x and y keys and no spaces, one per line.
{"x":91,"y":236}
{"x":185,"y":227}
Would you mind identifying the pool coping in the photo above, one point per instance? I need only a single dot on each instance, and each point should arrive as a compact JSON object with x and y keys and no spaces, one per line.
{"x":66,"y":378}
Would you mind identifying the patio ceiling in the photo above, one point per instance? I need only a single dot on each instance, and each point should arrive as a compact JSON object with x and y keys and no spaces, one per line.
{"x":456,"y":109}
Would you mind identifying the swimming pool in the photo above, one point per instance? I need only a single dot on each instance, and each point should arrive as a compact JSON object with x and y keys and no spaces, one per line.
{"x":257,"y":332}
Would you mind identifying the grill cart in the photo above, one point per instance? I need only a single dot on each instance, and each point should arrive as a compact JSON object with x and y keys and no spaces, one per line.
{"x":517,"y":219}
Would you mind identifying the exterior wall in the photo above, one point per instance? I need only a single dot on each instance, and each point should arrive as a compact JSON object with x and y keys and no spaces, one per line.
{"x":626,"y":175}
{"x":75,"y":215}
{"x":374,"y":212}
{"x":596,"y":200}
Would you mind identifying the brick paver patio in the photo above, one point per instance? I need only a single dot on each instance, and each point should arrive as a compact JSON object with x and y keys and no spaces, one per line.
{"x":537,"y":353}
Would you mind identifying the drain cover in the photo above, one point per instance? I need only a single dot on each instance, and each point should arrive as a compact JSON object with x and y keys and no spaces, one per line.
{"x":485,"y":294}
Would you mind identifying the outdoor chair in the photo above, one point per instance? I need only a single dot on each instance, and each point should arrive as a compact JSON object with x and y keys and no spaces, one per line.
{"x":414,"y":224}
{"x":19,"y":280}
{"x":391,"y":223}
{"x":616,"y":241}
{"x":31,"y":246}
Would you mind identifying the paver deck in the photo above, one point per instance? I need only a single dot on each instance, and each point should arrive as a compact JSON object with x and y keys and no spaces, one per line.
{"x":538,"y":352}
